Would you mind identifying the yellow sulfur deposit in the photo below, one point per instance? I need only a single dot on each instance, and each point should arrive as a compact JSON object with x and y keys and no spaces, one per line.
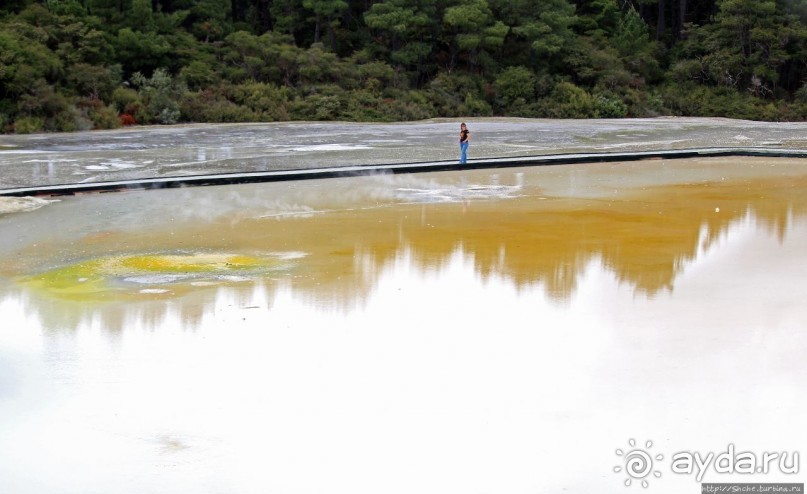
{"x":136,"y":274}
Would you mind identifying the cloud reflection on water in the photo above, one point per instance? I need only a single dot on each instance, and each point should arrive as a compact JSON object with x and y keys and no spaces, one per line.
{"x":441,"y":379}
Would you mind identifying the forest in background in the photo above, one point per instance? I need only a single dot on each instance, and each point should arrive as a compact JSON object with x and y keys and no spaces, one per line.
{"x":69,"y":65}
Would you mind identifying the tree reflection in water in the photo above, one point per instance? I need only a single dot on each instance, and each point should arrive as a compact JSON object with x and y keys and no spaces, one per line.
{"x":331,"y":241}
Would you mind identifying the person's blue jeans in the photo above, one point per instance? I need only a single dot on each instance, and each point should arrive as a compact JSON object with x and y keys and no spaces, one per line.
{"x":464,"y":152}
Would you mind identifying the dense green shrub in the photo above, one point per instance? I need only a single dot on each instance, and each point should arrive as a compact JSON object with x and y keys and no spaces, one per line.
{"x":55,"y":111}
{"x":160,"y":95}
{"x":644,"y":103}
{"x":514,"y":83}
{"x":450,"y":94}
{"x":568,"y":101}
{"x":98,"y":81}
{"x":801,"y":94}
{"x":29,"y":125}
{"x":317,"y":107}
{"x":268,"y":101}
{"x":126,"y":100}
{"x":608,"y":106}
{"x":475,"y":106}
{"x":198,"y":75}
{"x":207,"y":106}
{"x":699,"y":101}
{"x":407,"y":105}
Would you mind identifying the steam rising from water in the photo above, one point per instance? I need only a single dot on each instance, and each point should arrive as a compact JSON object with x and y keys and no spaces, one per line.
{"x":21,"y":204}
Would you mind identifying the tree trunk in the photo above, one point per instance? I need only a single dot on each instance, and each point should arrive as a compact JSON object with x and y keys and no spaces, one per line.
{"x":331,"y":35}
{"x":239,"y":8}
{"x":661,"y":23}
{"x":264,"y":18}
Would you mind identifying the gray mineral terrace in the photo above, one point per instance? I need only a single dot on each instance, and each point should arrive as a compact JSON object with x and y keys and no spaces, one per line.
{"x":139,"y":153}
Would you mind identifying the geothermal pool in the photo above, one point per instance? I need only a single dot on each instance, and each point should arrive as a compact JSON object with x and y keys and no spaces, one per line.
{"x":453,"y":332}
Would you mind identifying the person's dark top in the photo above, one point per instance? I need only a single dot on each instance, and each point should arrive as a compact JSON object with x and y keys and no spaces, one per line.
{"x":464,"y":135}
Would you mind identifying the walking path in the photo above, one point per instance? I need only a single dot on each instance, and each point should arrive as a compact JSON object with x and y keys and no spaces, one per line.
{"x":418,"y":167}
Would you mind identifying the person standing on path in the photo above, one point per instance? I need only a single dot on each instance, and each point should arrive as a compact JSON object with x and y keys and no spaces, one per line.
{"x":465,"y":138}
